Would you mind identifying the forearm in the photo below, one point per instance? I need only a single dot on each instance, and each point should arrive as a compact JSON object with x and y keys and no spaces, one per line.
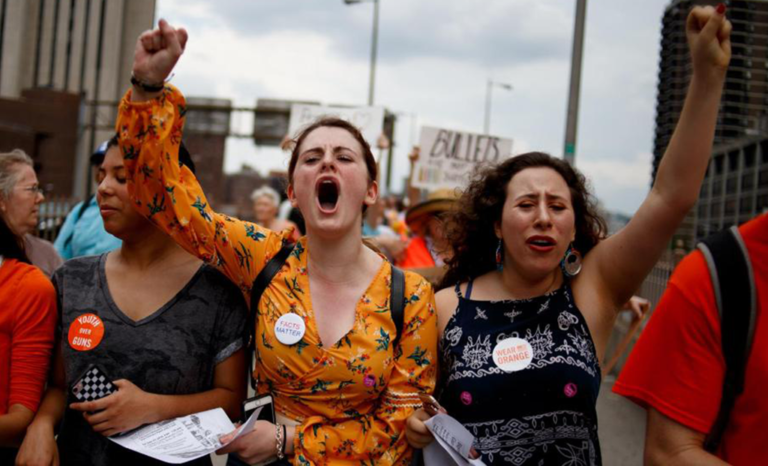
{"x":171,"y":406}
{"x":13,"y":425}
{"x":687,"y":156}
{"x":51,"y":411}
{"x":685,"y":457}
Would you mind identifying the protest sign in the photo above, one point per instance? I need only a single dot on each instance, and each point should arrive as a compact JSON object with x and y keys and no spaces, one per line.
{"x":370,"y":120}
{"x":447,"y":158}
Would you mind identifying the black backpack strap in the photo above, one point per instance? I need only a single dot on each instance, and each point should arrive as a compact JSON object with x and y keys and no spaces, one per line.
{"x":397,"y":304}
{"x":734,"y":285}
{"x":260,"y":284}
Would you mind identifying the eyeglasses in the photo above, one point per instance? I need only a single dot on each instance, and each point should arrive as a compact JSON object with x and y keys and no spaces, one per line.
{"x":34,"y":189}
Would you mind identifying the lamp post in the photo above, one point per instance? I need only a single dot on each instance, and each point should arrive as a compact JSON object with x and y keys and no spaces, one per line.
{"x":491,"y":84}
{"x":374,"y":46}
{"x":573,"y":95}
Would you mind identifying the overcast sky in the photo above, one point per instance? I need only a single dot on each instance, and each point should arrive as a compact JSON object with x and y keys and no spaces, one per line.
{"x":434,"y":59}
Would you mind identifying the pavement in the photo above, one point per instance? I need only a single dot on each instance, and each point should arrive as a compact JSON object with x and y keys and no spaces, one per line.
{"x":621,"y":427}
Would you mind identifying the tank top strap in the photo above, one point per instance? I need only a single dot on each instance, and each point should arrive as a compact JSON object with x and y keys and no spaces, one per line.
{"x":457,"y":288}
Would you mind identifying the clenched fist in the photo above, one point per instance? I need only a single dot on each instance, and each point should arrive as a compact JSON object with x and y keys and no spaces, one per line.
{"x":157,"y":52}
{"x":709,"y":38}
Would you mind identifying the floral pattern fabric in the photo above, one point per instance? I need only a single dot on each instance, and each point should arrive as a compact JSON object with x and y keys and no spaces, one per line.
{"x":351,"y":399}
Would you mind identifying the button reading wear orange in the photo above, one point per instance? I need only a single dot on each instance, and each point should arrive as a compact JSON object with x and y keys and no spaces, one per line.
{"x":86,"y":332}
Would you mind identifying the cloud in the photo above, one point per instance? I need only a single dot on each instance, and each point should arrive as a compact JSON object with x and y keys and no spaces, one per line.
{"x":435,"y":57}
{"x":483,"y":33}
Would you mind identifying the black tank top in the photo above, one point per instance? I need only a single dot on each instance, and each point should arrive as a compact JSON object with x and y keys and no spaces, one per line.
{"x":542,"y":414}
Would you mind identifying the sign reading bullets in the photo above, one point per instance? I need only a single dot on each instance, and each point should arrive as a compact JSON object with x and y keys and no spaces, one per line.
{"x":447,"y":158}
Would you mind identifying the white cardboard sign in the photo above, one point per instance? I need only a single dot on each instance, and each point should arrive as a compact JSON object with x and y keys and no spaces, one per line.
{"x":447,"y":158}
{"x":370,"y":120}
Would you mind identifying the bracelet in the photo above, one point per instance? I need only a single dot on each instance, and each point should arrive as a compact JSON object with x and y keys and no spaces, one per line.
{"x":146,"y":87}
{"x":280,"y":441}
{"x":285,"y":440}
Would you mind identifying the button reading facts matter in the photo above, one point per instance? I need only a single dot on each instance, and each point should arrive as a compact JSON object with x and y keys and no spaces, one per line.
{"x":512,"y":354}
{"x":290,"y":328}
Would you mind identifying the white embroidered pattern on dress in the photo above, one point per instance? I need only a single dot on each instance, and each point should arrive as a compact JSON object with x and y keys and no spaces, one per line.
{"x":516,"y":441}
{"x":476,"y":354}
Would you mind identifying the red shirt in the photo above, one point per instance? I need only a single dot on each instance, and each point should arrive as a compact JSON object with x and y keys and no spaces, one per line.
{"x":27,"y":324}
{"x":677,"y":366}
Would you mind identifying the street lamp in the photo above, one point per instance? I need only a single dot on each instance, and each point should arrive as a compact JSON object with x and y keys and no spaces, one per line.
{"x":374,"y":42}
{"x":491,"y":84}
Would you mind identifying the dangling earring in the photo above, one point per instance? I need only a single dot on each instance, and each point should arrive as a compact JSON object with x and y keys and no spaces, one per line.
{"x":500,"y":256}
{"x":571,"y":263}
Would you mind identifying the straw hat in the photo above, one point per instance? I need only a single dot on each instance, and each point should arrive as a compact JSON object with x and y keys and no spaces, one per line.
{"x":442,"y":200}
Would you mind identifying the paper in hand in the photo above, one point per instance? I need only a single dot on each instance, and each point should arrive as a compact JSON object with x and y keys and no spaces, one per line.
{"x":452,"y":443}
{"x":184,"y":438}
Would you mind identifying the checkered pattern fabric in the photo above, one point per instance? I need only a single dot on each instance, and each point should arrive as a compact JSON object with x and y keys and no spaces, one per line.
{"x":93,"y":386}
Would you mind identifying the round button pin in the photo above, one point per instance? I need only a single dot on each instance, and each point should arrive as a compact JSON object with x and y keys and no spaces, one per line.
{"x":86,"y":332}
{"x":512,"y":354}
{"x":290,"y":328}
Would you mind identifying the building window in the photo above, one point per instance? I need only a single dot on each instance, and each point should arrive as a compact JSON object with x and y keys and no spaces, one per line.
{"x":714,"y":210}
{"x":730,"y":185}
{"x":747,"y":181}
{"x":745,"y":206}
{"x":749,"y":151}
{"x":702,"y":209}
{"x":730,"y":207}
{"x":719,"y":164}
{"x":733,"y":161}
{"x":762,"y":181}
{"x":762,"y":202}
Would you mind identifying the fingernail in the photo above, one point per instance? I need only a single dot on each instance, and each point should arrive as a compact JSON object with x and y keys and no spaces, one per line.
{"x":721,"y":8}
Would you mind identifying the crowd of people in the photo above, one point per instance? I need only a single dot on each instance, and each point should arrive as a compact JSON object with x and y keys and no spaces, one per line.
{"x":499,"y":300}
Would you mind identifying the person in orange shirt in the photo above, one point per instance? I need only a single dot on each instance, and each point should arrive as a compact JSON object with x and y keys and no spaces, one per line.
{"x":342,"y":390}
{"x":427,"y":250}
{"x":27,"y":317}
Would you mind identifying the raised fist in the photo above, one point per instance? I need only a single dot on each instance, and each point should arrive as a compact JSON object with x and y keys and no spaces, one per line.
{"x":709,"y":38}
{"x":157,"y":52}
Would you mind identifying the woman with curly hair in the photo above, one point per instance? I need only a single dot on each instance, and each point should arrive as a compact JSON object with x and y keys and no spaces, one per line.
{"x":522,"y":328}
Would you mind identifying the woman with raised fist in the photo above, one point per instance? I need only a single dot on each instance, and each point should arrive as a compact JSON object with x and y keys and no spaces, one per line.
{"x":343,"y":369}
{"x":534,"y":288}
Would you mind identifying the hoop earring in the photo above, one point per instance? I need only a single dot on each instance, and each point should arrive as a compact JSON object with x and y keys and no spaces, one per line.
{"x":500,"y":256}
{"x":571,"y":263}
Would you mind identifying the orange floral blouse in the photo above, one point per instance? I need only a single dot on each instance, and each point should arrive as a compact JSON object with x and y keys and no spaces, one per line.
{"x":351,"y":399}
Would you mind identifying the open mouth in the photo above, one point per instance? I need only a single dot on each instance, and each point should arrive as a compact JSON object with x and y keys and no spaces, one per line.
{"x":541,"y":242}
{"x":327,"y":195}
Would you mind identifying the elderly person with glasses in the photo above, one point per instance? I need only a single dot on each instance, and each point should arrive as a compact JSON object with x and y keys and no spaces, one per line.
{"x":20,"y":199}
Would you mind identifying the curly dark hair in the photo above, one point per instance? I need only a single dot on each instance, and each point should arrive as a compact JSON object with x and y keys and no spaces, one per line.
{"x":470,"y":228}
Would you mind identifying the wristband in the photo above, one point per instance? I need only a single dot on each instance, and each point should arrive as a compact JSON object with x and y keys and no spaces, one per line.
{"x":285,"y":440}
{"x":146,"y":87}
{"x":279,"y":441}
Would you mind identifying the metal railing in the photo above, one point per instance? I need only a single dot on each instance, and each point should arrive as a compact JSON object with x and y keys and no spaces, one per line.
{"x":51,"y":215}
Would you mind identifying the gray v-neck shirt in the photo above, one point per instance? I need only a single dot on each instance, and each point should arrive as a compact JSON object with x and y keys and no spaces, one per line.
{"x":172,"y":351}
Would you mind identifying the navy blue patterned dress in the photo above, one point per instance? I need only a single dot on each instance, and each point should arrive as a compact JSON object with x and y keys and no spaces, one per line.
{"x":543,"y":414}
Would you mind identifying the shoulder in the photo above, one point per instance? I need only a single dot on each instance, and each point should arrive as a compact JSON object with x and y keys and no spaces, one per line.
{"x":215,"y":282}
{"x":27,"y":286}
{"x":447,"y":302}
{"x":81,"y":270}
{"x":78,"y":264}
{"x":25,"y":277}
